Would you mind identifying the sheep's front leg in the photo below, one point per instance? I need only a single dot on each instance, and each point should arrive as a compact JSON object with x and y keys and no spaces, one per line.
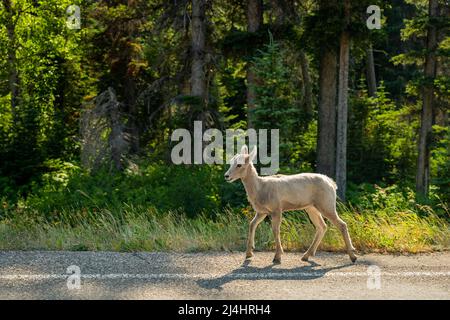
{"x":276,"y":224}
{"x":321,"y":228}
{"x":251,"y":233}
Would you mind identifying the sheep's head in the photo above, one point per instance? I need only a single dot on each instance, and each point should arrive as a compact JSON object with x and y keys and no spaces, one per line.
{"x":239,"y":164}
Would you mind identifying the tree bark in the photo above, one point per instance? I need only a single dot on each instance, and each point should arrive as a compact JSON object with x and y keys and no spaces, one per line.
{"x":306,"y":83}
{"x":13,"y":79}
{"x":423,"y":160}
{"x":254,"y":23}
{"x":254,"y":15}
{"x":326,"y":136}
{"x":116,"y":137}
{"x":370,"y":73}
{"x":130,"y":94}
{"x":342,"y":109}
{"x":198,"y":83}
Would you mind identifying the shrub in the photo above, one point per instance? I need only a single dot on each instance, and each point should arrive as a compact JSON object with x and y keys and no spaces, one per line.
{"x":194,"y":189}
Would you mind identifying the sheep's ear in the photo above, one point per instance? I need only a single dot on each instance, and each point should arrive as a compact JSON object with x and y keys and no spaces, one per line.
{"x":244,"y":149}
{"x":253,"y":154}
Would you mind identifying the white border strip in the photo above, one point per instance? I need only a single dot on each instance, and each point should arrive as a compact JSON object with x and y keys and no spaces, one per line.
{"x":238,"y":276}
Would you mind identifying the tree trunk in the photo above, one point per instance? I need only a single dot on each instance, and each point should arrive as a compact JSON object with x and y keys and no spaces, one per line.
{"x":254,"y":15}
{"x":423,"y":170}
{"x":254,"y":23}
{"x":198,"y":83}
{"x":116,"y":137}
{"x":326,"y":136}
{"x":342,"y":109}
{"x":133,"y":124}
{"x":13,"y":79}
{"x":370,"y":73}
{"x":306,"y":83}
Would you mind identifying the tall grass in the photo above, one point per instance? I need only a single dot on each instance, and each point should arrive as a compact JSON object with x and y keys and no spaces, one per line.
{"x":143,"y":229}
{"x":74,"y":210}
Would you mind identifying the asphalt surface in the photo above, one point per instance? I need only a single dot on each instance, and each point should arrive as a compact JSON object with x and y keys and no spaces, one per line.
{"x":224,"y":275}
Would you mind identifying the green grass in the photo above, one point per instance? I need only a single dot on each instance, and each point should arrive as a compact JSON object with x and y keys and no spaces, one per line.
{"x":103,"y":211}
{"x":116,"y":212}
{"x":143,"y":229}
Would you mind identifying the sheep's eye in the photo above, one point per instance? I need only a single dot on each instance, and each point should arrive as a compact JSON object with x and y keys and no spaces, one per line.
{"x":239,"y":165}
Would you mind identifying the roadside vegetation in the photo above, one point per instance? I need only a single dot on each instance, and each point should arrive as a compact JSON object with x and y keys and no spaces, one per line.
{"x":78,"y":211}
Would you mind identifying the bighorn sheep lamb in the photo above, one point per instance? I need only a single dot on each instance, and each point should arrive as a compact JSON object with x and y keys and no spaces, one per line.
{"x":272,"y":195}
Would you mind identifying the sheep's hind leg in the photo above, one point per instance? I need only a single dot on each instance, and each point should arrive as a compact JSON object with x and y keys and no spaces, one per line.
{"x":276,"y":223}
{"x":342,"y":226}
{"x":251,"y":234}
{"x":321,"y":228}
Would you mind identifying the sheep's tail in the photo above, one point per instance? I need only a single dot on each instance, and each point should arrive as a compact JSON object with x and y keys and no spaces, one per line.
{"x":333,"y":183}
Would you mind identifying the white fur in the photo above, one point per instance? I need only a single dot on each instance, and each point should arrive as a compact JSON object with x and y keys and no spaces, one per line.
{"x":272,"y":195}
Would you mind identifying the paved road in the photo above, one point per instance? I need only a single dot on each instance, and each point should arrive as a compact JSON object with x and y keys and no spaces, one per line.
{"x":108,"y":275}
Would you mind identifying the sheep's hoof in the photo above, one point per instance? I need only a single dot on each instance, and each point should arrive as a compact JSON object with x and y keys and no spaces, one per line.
{"x":248,"y":256}
{"x":352,"y":255}
{"x":276,"y":260}
{"x":305,"y":257}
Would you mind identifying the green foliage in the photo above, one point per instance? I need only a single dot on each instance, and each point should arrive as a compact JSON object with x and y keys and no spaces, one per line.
{"x":323,"y":26}
{"x":141,"y":228}
{"x":302,"y":151}
{"x":275,"y":98}
{"x":243,"y":43}
{"x":231,"y":83}
{"x":395,"y":199}
{"x":381,"y":137}
{"x":194,"y":189}
{"x":43,"y":122}
{"x":440,"y":162}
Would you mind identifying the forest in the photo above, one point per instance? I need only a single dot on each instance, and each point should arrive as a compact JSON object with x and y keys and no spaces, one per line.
{"x":91,"y":92}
